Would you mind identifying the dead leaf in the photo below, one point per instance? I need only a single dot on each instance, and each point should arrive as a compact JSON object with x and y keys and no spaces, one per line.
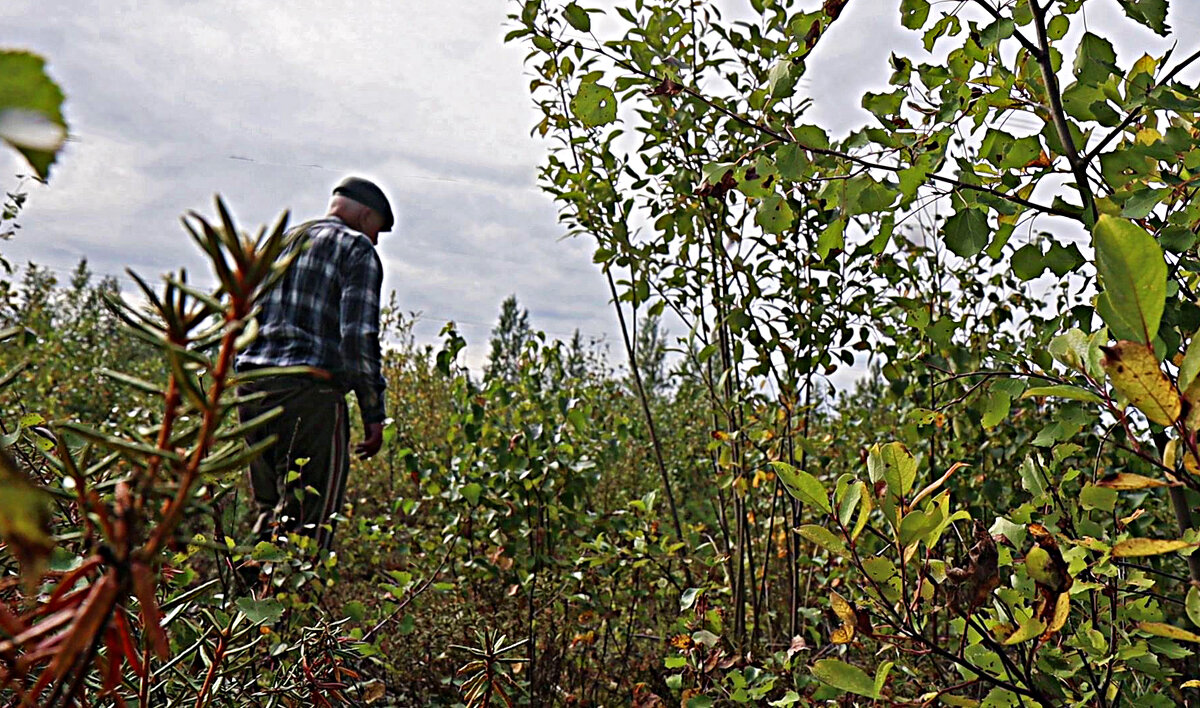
{"x":979,"y":576}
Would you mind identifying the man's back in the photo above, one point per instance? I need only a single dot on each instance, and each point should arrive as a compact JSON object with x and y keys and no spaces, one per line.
{"x":325,"y":312}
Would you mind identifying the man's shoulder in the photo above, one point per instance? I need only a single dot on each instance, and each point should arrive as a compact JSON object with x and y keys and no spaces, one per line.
{"x":337,"y":234}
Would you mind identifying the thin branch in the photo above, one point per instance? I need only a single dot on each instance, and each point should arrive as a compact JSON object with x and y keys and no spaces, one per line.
{"x":1058,"y":113}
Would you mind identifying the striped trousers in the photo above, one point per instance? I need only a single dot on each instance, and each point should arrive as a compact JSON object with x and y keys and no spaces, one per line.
{"x":299,"y":482}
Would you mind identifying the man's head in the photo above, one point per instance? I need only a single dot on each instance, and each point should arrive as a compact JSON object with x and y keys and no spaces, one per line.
{"x":363,"y":206}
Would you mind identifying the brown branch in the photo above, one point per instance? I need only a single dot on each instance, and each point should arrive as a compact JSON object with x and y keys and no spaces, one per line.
{"x":1058,"y":113}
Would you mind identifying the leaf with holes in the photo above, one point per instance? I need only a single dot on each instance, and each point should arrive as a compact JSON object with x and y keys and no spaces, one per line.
{"x":594,"y":105}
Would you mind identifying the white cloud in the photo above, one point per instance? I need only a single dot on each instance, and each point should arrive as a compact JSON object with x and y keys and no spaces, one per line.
{"x":171,"y":101}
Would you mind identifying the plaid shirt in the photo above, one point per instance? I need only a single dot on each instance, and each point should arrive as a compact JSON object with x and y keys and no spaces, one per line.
{"x":325,"y":313}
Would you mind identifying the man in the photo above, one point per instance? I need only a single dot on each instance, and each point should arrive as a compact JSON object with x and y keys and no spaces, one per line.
{"x":324,"y":314}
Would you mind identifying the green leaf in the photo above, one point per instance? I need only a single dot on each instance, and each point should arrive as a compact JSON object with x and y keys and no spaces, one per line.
{"x":577,"y":17}
{"x":1133,"y":274}
{"x":881,"y":675}
{"x":1101,"y":498}
{"x":594,"y":105}
{"x":894,"y":464}
{"x":1151,"y":13}
{"x":1095,"y":60}
{"x":407,"y":625}
{"x":774,"y":214}
{"x":1193,"y":605}
{"x":31,"y":119}
{"x":849,"y":501}
{"x":781,"y":80}
{"x":355,"y":610}
{"x":24,"y":517}
{"x":864,"y":195}
{"x":803,"y":486}
{"x":471,"y":492}
{"x":949,"y":25}
{"x":1029,"y":629}
{"x":1057,"y":28}
{"x":1071,"y":349}
{"x":996,"y":32}
{"x":265,"y":611}
{"x":831,"y":237}
{"x":823,"y":538}
{"x":915,"y":525}
{"x":1143,"y":201}
{"x":879,"y":568}
{"x":966,"y":233}
{"x":1031,"y":478}
{"x":996,"y":408}
{"x":1190,"y":366}
{"x":267,"y":552}
{"x":792,"y":163}
{"x":913,"y":13}
{"x":1063,"y":259}
{"x":689,"y":598}
{"x":883,"y":105}
{"x":845,"y":677}
{"x":1073,"y":393}
{"x":1027,"y":262}
{"x":1008,"y":152}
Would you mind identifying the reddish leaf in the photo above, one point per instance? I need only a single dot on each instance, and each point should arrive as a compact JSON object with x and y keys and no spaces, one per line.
{"x":143,"y":587}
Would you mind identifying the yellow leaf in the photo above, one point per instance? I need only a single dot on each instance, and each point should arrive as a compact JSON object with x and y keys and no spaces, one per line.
{"x":1147,"y":136}
{"x":1124,"y":481}
{"x":1062,"y":609}
{"x":1192,"y":395}
{"x":1171,"y":453}
{"x":841,"y":607}
{"x":1002,"y":631}
{"x":1136,"y":374}
{"x":1189,"y":461}
{"x":1169,"y":631}
{"x":952,"y":700}
{"x":1029,"y":629}
{"x":1147,"y":547}
{"x":843,"y":634}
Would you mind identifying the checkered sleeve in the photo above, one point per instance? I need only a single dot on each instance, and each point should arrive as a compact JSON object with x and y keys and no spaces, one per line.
{"x":362,"y":281}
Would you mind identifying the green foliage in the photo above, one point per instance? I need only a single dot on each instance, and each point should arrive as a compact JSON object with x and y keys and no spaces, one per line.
{"x":998,"y":513}
{"x":509,"y":337}
{"x":786,"y":253}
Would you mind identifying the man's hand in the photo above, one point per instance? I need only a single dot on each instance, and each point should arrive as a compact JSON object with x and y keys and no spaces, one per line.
{"x":371,"y":444}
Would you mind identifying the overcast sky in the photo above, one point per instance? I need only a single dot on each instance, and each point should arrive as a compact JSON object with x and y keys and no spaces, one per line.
{"x":270,"y":104}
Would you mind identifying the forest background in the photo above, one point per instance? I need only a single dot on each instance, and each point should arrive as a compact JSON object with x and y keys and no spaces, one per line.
{"x":1001,"y":513}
